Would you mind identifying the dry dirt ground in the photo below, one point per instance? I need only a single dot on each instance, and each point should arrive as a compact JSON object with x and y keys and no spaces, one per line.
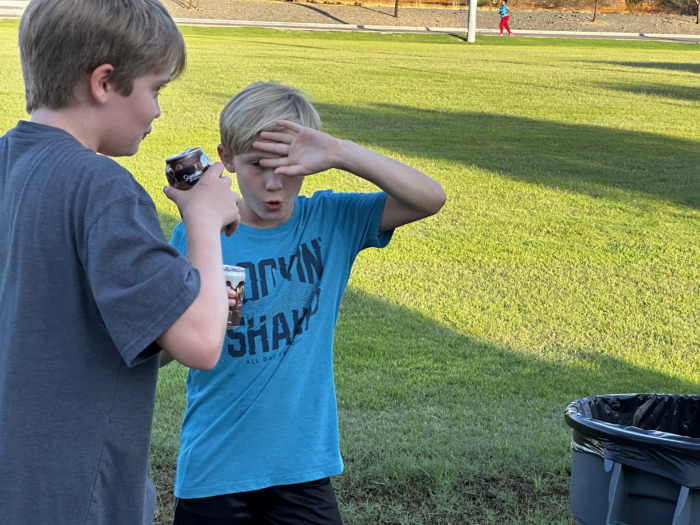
{"x":317,"y":12}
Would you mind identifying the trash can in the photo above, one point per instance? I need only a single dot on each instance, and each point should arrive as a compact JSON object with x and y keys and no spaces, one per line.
{"x":636,"y":459}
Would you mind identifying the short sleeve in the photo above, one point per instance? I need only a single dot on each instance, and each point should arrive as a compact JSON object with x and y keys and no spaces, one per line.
{"x":358,"y":216}
{"x":140,"y":283}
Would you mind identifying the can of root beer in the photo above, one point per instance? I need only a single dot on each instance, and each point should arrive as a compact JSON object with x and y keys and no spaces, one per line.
{"x":184,"y":169}
{"x":235,"y":279}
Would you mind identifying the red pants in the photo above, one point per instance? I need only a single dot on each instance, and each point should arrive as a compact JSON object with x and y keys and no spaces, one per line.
{"x":504,"y":23}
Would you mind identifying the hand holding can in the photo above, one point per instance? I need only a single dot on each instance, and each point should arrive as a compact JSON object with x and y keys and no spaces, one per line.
{"x":184,"y":169}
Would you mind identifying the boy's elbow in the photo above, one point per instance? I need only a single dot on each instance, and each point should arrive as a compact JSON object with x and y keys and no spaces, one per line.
{"x":202,"y":360}
{"x":206,"y":354}
{"x":200,"y":351}
{"x":205,"y":363}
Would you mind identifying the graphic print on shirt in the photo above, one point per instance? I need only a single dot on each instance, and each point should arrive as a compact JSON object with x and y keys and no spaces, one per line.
{"x":288,"y":286}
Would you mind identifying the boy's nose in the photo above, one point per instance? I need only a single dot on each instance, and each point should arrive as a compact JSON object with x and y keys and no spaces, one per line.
{"x":273,"y":182}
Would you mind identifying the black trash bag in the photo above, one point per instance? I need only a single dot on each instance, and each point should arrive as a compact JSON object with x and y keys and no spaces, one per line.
{"x":652,"y":432}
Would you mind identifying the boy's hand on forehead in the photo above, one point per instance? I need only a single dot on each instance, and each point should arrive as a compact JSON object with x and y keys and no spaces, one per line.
{"x":301,"y":150}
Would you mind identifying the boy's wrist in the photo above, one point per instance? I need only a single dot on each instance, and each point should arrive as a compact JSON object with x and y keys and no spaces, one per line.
{"x":346,"y":155}
{"x":200,"y":217}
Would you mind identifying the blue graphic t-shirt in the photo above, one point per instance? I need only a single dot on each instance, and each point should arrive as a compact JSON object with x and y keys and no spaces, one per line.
{"x":504,"y":11}
{"x":266,"y":415}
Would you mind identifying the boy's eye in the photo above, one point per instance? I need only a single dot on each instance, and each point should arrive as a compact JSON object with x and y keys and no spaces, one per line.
{"x":255,"y":164}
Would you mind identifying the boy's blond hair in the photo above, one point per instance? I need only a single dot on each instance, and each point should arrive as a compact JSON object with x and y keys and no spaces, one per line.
{"x":256,"y":108}
{"x":61,"y":41}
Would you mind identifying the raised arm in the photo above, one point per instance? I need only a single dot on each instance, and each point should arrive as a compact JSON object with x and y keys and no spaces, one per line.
{"x":303,"y":151}
{"x":196,"y":338}
{"x":412,"y":194}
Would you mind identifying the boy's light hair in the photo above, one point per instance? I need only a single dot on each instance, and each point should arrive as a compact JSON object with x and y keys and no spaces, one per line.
{"x":256,"y":108}
{"x":61,"y":41}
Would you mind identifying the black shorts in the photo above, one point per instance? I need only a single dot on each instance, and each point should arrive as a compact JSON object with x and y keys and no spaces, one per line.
{"x":311,"y":503}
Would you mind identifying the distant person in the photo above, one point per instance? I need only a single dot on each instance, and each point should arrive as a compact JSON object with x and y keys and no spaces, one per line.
{"x":505,"y":10}
{"x":260,"y":434}
{"x":90,"y":289}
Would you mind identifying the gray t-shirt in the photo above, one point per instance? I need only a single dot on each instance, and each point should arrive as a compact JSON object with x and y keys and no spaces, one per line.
{"x":87,"y":283}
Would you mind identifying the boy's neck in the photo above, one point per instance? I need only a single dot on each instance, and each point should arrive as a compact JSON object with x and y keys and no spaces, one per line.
{"x":74,"y":120}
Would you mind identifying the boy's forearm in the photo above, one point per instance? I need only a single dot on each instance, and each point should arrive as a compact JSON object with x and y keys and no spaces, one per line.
{"x":196,"y":338}
{"x":204,"y":253}
{"x":409,"y":186}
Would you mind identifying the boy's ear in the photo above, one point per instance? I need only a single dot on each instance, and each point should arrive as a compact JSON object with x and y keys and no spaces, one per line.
{"x":226,"y":159}
{"x":101,"y":84}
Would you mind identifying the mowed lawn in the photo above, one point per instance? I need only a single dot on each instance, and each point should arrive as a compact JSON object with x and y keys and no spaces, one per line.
{"x":564,"y":265}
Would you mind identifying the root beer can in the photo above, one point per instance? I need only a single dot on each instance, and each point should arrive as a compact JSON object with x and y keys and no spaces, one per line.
{"x":184,"y":169}
{"x":235,"y":279}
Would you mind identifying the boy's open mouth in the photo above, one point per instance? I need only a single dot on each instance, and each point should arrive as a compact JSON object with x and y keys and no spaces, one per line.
{"x":273,"y":205}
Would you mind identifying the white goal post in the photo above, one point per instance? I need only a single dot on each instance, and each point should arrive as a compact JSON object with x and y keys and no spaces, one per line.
{"x":471,"y":28}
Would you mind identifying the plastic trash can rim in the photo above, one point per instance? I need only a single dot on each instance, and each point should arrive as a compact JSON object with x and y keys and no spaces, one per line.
{"x":628,"y":434}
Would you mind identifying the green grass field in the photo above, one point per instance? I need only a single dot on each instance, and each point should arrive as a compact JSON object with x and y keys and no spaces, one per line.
{"x":564,"y":265}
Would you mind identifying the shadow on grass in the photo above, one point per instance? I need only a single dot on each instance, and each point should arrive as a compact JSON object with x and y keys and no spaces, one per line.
{"x":592,"y":160}
{"x":263,"y":43}
{"x":437,"y":427}
{"x":668,"y":66}
{"x":687,"y":93}
{"x":403,"y":355}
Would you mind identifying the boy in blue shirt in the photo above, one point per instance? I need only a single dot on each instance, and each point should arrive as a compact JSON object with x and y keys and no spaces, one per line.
{"x":260,"y":434}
